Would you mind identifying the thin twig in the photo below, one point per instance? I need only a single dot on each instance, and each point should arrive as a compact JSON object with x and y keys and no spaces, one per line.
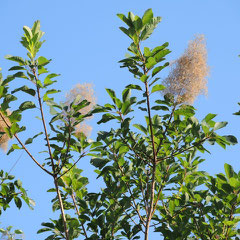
{"x":78,"y":213}
{"x":24,"y":147}
{"x":51,"y":157}
{"x":15,"y":164}
{"x":181,"y":150}
{"x":83,"y":155}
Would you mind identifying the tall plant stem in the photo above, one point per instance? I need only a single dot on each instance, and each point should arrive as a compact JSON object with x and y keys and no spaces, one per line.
{"x":51,"y":158}
{"x":78,"y":213}
{"x":154,"y":162}
{"x":154,"y":159}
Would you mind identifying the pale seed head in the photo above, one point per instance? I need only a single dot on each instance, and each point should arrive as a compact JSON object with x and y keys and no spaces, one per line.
{"x":82,"y":92}
{"x":188,"y":76}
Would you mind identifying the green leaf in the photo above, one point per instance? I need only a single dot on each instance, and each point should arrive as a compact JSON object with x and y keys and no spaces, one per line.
{"x":150,"y":62}
{"x":157,"y":87}
{"x":163,"y":108}
{"x":137,"y":23}
{"x":47,"y":81}
{"x":16,"y":59}
{"x":219,"y":125}
{"x":123,"y":29}
{"x":171,"y":206}
{"x":18,"y":202}
{"x":231,"y":139}
{"x":30,"y":140}
{"x":126,"y":94}
{"x":229,"y":170}
{"x":13,"y":147}
{"x":160,"y":55}
{"x":42,"y":61}
{"x":158,"y":69}
{"x":141,"y":128}
{"x":147,"y":16}
{"x":106,"y":117}
{"x":126,"y":107}
{"x":149,"y":28}
{"x":111,"y":93}
{"x":144,"y":78}
{"x":28,"y":32}
{"x":123,"y":149}
{"x":17,"y":231}
{"x":209,"y":117}
{"x":99,"y":162}
{"x":147,"y":52}
{"x":25,"y":89}
{"x":27,"y":105}
{"x":133,"y":86}
{"x":20,"y":75}
{"x":124,"y":19}
{"x":235,"y":183}
{"x":16,"y":68}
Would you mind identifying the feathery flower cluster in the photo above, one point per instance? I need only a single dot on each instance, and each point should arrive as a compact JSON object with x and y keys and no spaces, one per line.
{"x":187,"y":78}
{"x":82,"y":92}
{"x":4,"y":138}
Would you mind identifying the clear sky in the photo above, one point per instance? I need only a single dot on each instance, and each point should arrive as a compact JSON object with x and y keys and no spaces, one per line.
{"x":83,"y":39}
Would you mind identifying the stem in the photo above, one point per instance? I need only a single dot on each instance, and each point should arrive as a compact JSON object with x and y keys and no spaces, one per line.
{"x":134,"y":205}
{"x":78,"y":213}
{"x":61,"y":207}
{"x":51,"y":157}
{"x":24,"y":147}
{"x":154,"y":162}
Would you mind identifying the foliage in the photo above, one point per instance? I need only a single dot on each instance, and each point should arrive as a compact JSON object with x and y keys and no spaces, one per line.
{"x":148,"y":162}
{"x":8,"y":235}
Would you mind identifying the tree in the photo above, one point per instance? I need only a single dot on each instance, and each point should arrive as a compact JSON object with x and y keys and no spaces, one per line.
{"x":149,"y":165}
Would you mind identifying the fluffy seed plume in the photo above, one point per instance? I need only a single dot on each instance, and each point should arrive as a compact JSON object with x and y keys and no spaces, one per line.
{"x":188,"y":76}
{"x":4,"y":138}
{"x":82,"y":92}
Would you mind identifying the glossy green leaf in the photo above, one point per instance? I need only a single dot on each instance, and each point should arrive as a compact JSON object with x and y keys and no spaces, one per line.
{"x":30,"y":140}
{"x":234,"y":182}
{"x":133,"y":86}
{"x":219,"y":125}
{"x":17,"y":59}
{"x":157,"y":87}
{"x":141,"y":128}
{"x":147,"y":16}
{"x":229,"y":170}
{"x":25,"y":89}
{"x":150,"y":62}
{"x":27,"y":105}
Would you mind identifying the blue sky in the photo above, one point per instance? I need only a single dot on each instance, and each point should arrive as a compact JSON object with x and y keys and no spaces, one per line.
{"x":83,"y":39}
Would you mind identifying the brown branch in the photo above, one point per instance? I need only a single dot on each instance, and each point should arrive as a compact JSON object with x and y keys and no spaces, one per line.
{"x":78,"y":213}
{"x":125,"y":211}
{"x":166,"y":129}
{"x":68,"y":147}
{"x":83,"y":154}
{"x":131,"y":148}
{"x":154,"y":160}
{"x":24,"y":147}
{"x":181,"y":150}
{"x":51,"y":157}
{"x":160,"y":190}
{"x":129,"y":189}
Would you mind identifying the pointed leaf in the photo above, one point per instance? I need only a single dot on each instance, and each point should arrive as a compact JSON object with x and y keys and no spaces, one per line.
{"x":147,"y":16}
{"x":157,"y":87}
{"x":229,"y":170}
{"x":27,"y":105}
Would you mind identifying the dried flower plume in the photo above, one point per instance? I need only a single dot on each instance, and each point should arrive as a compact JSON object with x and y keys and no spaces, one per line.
{"x":82,"y":92}
{"x":188,"y":76}
{"x":4,"y":138}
